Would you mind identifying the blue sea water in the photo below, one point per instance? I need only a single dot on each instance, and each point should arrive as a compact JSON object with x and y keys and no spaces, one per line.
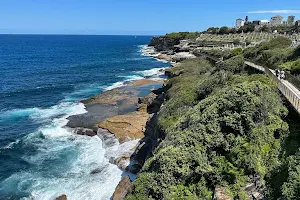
{"x":43,"y":77}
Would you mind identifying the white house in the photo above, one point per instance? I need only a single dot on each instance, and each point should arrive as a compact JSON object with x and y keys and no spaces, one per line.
{"x":276,"y":20}
{"x":264,"y":22}
{"x":239,"y":23}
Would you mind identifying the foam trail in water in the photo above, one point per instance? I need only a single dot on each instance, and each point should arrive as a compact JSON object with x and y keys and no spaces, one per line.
{"x":44,"y":113}
{"x":17,"y":114}
{"x":63,"y":162}
{"x":150,"y":51}
{"x":152,"y":72}
{"x":146,"y":50}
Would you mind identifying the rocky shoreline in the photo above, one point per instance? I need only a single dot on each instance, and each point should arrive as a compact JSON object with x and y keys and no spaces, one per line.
{"x":127,"y":115}
{"x":152,"y":104}
{"x":119,"y":116}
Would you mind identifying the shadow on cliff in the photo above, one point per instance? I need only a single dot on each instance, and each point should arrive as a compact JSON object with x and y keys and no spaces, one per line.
{"x":290,"y":146}
{"x":152,"y":134}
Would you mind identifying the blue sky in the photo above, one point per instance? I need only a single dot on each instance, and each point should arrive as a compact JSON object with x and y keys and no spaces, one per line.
{"x":150,"y":17}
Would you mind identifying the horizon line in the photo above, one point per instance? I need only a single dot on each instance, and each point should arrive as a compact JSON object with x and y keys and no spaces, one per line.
{"x":79,"y":34}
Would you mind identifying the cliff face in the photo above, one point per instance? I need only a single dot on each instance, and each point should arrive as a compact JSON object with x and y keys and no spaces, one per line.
{"x":164,"y":43}
{"x":209,"y":139}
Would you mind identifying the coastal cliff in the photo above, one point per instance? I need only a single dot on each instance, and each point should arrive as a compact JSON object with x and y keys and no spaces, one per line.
{"x":219,"y":134}
{"x":164,"y":43}
{"x":212,"y":131}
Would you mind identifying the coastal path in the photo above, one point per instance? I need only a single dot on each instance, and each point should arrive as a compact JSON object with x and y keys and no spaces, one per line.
{"x":291,"y":93}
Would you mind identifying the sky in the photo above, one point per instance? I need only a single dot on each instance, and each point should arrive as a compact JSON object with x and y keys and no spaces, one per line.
{"x":133,"y":17}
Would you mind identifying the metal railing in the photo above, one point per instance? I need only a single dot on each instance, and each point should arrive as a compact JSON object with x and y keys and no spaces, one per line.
{"x":292,"y":79}
{"x":288,"y":87}
{"x":290,"y":93}
{"x":289,"y":77}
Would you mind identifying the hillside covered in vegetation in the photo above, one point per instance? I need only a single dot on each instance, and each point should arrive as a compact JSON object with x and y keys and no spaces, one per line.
{"x":224,"y":128}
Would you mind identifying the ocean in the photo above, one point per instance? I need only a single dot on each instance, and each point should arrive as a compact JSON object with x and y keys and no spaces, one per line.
{"x":43,"y":78}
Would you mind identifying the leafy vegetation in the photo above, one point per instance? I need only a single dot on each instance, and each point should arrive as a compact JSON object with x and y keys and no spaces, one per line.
{"x":270,"y":54}
{"x":292,"y":66}
{"x":183,"y":35}
{"x":249,"y":28}
{"x":222,"y":126}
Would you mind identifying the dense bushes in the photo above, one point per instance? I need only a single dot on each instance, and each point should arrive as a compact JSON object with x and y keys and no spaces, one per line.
{"x":234,"y":64}
{"x":292,"y":66}
{"x":183,"y":35}
{"x":291,"y":188}
{"x":271,"y":53}
{"x":276,"y":53}
{"x":221,"y":127}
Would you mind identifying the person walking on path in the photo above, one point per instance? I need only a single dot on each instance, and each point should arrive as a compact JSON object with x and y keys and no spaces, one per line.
{"x":282,"y":75}
{"x":277,"y":73}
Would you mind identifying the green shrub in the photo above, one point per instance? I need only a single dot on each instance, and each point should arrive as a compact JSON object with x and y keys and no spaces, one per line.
{"x":236,"y":52}
{"x":270,"y":54}
{"x":219,"y":130}
{"x":292,"y":66}
{"x":291,"y":188}
{"x":183,"y":35}
{"x":234,"y":64}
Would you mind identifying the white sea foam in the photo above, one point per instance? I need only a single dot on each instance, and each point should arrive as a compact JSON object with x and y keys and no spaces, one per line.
{"x":132,"y":77}
{"x":162,"y":60}
{"x":17,"y":113}
{"x":63,"y":162}
{"x":146,"y":50}
{"x":115,"y":85}
{"x":152,"y":72}
{"x":139,"y":75}
{"x":150,"y":51}
{"x":11,"y":145}
{"x":63,"y":108}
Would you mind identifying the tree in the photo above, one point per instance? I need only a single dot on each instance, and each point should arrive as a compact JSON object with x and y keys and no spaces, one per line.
{"x":247,"y":28}
{"x":213,"y":30}
{"x":233,"y":30}
{"x":265,"y":28}
{"x":224,"y":30}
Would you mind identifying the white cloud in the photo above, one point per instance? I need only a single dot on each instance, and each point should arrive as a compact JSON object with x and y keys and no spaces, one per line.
{"x":274,"y":11}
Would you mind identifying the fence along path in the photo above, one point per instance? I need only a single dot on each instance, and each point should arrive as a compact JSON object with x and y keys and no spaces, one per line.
{"x":291,"y":93}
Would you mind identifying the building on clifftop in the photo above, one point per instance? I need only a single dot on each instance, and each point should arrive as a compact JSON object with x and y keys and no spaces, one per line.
{"x":239,"y":23}
{"x":276,"y":20}
{"x":291,"y":20}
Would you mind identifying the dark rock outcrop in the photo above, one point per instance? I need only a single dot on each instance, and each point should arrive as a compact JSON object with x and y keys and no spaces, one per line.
{"x":122,"y":189}
{"x":173,"y":73}
{"x":145,"y":146}
{"x":152,"y":101}
{"x":153,"y":136}
{"x":164,"y":43}
{"x":220,"y":194}
{"x":62,"y":197}
{"x":147,"y":99}
{"x":85,"y":131}
{"x":255,"y":189}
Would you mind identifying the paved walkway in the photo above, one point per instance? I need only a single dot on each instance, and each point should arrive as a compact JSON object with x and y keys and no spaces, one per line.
{"x":291,"y":93}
